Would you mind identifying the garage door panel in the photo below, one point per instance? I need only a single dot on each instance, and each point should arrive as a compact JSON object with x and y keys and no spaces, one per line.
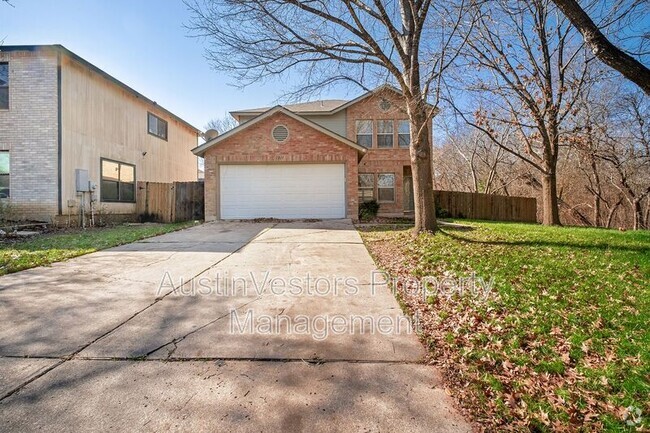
{"x":282,"y":191}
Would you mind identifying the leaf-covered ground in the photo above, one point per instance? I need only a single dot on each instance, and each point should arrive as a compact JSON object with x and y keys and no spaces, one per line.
{"x":560,"y":342}
{"x":54,"y":247}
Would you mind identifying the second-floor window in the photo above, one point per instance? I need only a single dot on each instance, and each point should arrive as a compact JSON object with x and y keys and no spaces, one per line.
{"x":4,"y":86}
{"x":403,"y":133}
{"x":364,"y":133}
{"x":156,"y":126}
{"x":385,"y":134}
{"x":118,"y":181}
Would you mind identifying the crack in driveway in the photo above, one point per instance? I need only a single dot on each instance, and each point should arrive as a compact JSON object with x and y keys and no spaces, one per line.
{"x":177,"y":340}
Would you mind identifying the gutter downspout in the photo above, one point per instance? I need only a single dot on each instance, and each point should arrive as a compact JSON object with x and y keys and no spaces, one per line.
{"x":60,"y":133}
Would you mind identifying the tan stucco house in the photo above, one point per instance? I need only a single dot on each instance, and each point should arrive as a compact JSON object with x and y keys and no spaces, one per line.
{"x":63,"y":120}
{"x":312,"y":160}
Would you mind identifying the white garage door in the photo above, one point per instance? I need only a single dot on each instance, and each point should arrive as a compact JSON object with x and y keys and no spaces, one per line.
{"x":282,"y":191}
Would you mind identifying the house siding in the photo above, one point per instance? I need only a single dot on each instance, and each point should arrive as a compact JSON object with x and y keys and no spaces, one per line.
{"x":103,"y":120}
{"x":29,"y":130}
{"x":255,"y":145}
{"x":335,"y":122}
{"x":49,"y":88}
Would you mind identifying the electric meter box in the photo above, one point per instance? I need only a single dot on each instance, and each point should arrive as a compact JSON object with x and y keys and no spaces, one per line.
{"x":81,"y":180}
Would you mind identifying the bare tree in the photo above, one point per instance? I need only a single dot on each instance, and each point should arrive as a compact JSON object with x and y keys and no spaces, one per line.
{"x":529,"y":71}
{"x":603,"y":48}
{"x":468,"y":161}
{"x":222,"y":124}
{"x":410,"y":43}
{"x":612,"y":138}
{"x":627,"y":151}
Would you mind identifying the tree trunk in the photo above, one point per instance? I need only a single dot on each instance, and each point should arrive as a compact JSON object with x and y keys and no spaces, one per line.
{"x":422,"y":168}
{"x":550,"y":208}
{"x":597,"y":192}
{"x":612,"y":211}
{"x":638,"y":215}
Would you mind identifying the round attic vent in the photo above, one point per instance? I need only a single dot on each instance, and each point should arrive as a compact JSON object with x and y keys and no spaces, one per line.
{"x":280,"y":133}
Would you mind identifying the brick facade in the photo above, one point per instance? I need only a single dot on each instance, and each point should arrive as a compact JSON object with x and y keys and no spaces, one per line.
{"x":255,"y":145}
{"x":376,"y":160}
{"x":29,"y":130}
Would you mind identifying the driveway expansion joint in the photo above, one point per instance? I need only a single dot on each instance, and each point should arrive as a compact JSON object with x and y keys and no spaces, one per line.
{"x":310,"y":361}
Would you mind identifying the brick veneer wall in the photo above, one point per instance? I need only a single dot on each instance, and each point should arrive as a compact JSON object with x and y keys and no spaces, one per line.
{"x":382,"y":160}
{"x":29,"y":130}
{"x":255,"y":145}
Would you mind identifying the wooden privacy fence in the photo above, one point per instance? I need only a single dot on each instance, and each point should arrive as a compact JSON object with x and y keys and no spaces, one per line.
{"x":170,"y":202}
{"x":486,"y":206}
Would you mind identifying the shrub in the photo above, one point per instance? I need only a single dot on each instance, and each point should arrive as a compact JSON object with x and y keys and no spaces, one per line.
{"x":368,"y":210}
{"x":442,"y":213}
{"x":147,"y":217}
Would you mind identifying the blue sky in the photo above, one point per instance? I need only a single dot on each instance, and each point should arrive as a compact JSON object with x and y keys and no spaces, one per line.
{"x":142,"y":43}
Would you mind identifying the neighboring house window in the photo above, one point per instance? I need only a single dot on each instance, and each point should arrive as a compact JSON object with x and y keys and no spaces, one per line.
{"x":385,"y":134}
{"x":118,"y":181}
{"x":4,"y":86}
{"x":403,"y":133}
{"x":364,"y":133}
{"x":366,"y":187}
{"x":156,"y":126}
{"x":4,"y":174}
{"x":386,"y":187}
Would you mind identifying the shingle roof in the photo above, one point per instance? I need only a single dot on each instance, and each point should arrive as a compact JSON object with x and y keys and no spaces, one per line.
{"x":325,"y":106}
{"x":302,"y":107}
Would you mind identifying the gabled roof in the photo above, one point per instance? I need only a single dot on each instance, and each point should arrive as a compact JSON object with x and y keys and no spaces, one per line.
{"x":325,"y":107}
{"x":63,"y":50}
{"x":200,"y":150}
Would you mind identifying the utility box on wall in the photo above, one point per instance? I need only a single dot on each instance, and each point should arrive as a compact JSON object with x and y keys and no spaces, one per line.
{"x":81,"y":180}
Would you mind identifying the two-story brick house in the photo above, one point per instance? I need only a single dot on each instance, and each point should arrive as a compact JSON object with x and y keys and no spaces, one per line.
{"x":61,"y":118}
{"x":312,"y":160}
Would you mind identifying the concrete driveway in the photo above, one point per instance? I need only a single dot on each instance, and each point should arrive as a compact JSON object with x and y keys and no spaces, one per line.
{"x":227,"y":326}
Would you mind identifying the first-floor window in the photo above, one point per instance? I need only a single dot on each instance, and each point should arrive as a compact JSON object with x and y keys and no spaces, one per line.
{"x":386,"y":187}
{"x":4,"y":174}
{"x":366,"y":187}
{"x":118,"y":181}
{"x":404,"y":134}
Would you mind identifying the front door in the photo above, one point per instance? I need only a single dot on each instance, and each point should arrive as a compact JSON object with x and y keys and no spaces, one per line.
{"x":409,"y":204}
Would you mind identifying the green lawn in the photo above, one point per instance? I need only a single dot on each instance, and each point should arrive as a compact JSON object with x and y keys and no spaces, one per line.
{"x":55,"y":247}
{"x":561,"y":343}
